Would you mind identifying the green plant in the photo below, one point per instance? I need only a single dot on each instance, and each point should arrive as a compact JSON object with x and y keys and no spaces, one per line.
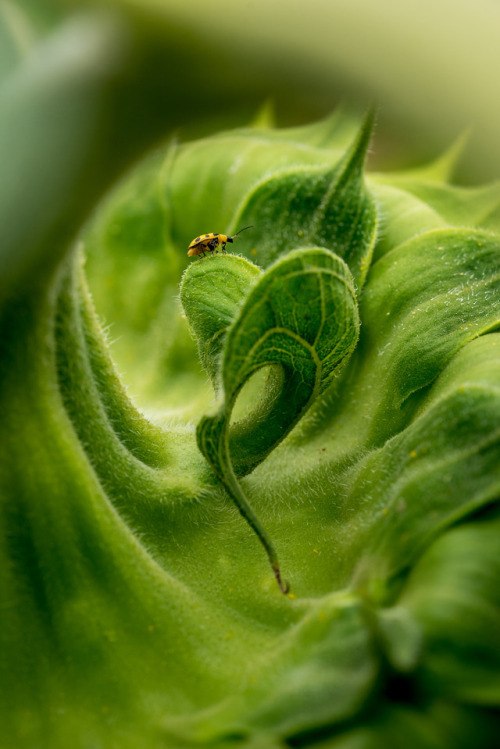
{"x":138,"y":608}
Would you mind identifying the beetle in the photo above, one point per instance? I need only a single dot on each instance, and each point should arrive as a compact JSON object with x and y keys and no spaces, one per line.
{"x":210,"y":242}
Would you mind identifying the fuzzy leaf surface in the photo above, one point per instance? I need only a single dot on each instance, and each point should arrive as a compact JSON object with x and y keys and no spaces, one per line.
{"x":136,"y":605}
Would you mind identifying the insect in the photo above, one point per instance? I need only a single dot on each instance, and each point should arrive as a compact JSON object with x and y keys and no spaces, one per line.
{"x":210,"y":242}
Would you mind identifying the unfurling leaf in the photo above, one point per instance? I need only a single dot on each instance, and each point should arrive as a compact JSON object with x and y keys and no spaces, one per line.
{"x":211,"y":295}
{"x":302,"y":315}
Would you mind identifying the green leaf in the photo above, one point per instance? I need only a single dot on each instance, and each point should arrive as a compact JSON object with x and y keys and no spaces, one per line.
{"x":321,"y":674}
{"x":323,"y":206}
{"x":211,"y":296}
{"x":333,"y":133}
{"x":403,"y":217}
{"x":136,"y":605}
{"x":426,"y":299}
{"x":302,"y":315}
{"x":457,"y":581}
{"x":218,"y":176}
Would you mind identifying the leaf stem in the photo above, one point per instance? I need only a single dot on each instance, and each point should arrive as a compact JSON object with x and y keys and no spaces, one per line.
{"x":236,"y":492}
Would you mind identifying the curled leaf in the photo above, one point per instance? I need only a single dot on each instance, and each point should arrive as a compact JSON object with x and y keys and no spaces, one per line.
{"x":301,"y":315}
{"x":211,"y":294}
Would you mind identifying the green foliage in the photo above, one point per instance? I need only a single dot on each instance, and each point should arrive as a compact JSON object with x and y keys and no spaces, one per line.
{"x":355,"y":426}
{"x":302,"y":315}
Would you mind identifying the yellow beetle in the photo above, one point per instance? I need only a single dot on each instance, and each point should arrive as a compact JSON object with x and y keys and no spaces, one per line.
{"x":210,"y":242}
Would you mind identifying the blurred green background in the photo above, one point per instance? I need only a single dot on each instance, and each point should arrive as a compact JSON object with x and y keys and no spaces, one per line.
{"x":431,"y":65}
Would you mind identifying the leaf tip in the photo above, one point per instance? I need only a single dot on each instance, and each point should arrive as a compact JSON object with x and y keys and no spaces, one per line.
{"x":444,"y":167}
{"x":265,"y":117}
{"x":284,"y":585}
{"x":365,"y":133}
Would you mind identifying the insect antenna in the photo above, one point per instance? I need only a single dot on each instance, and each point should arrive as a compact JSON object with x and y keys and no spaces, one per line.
{"x":239,"y":232}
